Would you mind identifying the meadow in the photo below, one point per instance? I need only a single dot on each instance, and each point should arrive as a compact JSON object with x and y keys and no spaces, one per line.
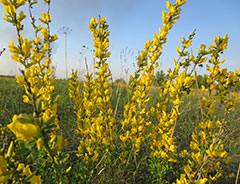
{"x":182,"y":131}
{"x":11,"y":103}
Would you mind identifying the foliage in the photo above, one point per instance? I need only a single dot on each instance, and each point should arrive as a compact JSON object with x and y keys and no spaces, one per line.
{"x":110,"y":148}
{"x":120,"y":81}
{"x":159,"y":78}
{"x":201,"y":80}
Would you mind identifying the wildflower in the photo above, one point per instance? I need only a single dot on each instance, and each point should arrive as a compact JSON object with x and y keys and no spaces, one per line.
{"x":23,"y":127}
{"x":35,"y":179}
{"x":45,"y":33}
{"x":3,"y":169}
{"x":45,"y":18}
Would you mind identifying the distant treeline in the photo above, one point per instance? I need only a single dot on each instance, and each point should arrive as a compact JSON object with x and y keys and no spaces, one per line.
{"x":8,"y":76}
{"x":161,"y":77}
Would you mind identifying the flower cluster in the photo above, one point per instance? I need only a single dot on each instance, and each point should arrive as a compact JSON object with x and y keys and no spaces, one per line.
{"x":136,"y":116}
{"x":207,"y":154}
{"x":37,"y":79}
{"x":93,"y":109}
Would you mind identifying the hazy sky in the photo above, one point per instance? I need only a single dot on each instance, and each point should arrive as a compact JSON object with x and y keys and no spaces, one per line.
{"x":132,"y":23}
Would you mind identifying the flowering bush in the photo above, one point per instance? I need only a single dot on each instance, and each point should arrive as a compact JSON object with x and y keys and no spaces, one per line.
{"x":140,"y":147}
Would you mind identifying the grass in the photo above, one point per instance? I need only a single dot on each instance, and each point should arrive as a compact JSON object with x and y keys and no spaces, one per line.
{"x":11,"y":103}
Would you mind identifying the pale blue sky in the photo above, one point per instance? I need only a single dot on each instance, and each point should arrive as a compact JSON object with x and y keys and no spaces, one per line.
{"x":132,"y":22}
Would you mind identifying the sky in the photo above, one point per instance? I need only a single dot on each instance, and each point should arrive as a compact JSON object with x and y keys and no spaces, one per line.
{"x":131,"y":24}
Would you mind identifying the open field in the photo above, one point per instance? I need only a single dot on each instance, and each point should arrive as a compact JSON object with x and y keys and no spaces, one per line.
{"x":11,"y":103}
{"x":178,"y":127}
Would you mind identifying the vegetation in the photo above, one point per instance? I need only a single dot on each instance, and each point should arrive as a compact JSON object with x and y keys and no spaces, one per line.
{"x":120,"y":81}
{"x":184,"y":131}
{"x":159,"y":78}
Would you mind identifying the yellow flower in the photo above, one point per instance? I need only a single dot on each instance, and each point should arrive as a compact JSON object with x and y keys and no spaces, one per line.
{"x":20,"y":2}
{"x":10,"y":150}
{"x":228,"y":160}
{"x":35,"y":179}
{"x":25,"y":99}
{"x":6,"y":18}
{"x":60,"y":143}
{"x":46,"y":18}
{"x":26,"y":47}
{"x":39,"y":143}
{"x":27,"y":171}
{"x":44,"y":33}
{"x":94,"y":21}
{"x":187,"y":169}
{"x":21,"y":16}
{"x":3,"y":169}
{"x":223,"y":154}
{"x":23,"y":128}
{"x":194,"y":146}
{"x":182,"y":180}
{"x":5,"y":2}
{"x":232,"y":175}
{"x":201,"y":181}
{"x":68,"y":169}
{"x":20,"y":166}
{"x":15,"y":57}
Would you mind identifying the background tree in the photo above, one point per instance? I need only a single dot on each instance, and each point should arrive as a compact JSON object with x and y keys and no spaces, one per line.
{"x":120,"y":81}
{"x":202,"y":80}
{"x":159,"y":78}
